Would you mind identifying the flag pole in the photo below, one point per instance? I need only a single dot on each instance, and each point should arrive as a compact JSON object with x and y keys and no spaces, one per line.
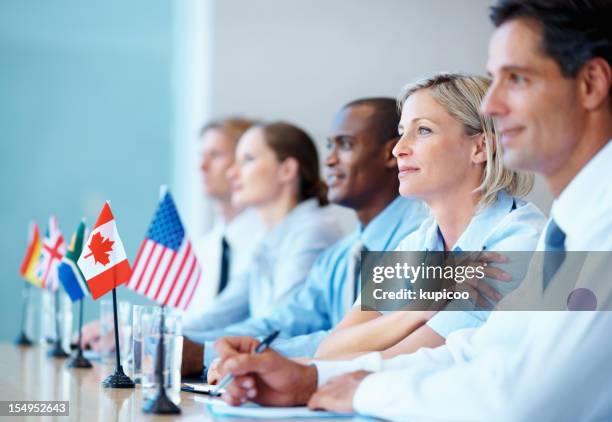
{"x":22,"y":339}
{"x":118,"y":379}
{"x":161,"y":403}
{"x":57,"y":351}
{"x":78,"y":360}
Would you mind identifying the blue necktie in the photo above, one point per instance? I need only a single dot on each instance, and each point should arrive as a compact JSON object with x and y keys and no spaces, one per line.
{"x":554,"y":254}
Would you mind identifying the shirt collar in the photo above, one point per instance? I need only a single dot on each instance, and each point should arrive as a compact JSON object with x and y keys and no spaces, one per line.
{"x":573,"y":209}
{"x":379,"y":232}
{"x":299,"y":212}
{"x":476,"y":233}
{"x":235,"y":231}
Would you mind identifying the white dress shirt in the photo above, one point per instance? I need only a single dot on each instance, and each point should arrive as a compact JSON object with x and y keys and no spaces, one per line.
{"x":519,"y":366}
{"x":210,"y":309}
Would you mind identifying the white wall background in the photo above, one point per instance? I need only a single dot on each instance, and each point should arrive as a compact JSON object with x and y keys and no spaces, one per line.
{"x":302,"y":60}
{"x":104,"y":101}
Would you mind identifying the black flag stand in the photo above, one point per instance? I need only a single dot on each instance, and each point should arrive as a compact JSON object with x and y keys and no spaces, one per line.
{"x":22,"y":338}
{"x":161,"y":403}
{"x":118,"y":379}
{"x":78,"y":360}
{"x":57,"y":351}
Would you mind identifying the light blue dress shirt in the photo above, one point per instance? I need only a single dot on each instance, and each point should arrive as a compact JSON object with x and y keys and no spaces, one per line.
{"x":280,"y":263}
{"x":282,"y":260}
{"x":509,"y":224}
{"x":318,"y":305}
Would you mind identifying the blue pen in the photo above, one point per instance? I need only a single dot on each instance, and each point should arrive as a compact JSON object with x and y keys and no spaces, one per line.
{"x":260,"y":348}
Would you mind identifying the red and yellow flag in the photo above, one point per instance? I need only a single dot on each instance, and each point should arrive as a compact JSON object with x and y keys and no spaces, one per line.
{"x":28,"y":265}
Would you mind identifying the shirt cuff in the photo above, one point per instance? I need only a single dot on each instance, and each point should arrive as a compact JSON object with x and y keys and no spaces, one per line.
{"x":448,"y":321}
{"x":370,"y":394}
{"x":327,"y":369}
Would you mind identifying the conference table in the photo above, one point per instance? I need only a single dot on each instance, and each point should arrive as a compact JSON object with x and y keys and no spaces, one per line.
{"x":26,"y":373}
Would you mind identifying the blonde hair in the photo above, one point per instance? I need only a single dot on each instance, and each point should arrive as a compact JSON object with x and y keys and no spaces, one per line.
{"x":461,"y":96}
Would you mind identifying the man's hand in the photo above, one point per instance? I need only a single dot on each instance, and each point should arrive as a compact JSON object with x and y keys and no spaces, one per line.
{"x":213,"y":376}
{"x":337,"y":395}
{"x":193,"y":358}
{"x":89,"y":335}
{"x":229,"y":348}
{"x":266,"y":378}
{"x":91,"y":339}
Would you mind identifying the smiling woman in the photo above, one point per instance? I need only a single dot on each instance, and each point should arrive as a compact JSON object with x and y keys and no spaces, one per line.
{"x":436,"y":113}
{"x":448,"y":155}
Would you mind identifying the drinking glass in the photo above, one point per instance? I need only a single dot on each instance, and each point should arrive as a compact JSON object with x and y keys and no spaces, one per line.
{"x":173,"y":351}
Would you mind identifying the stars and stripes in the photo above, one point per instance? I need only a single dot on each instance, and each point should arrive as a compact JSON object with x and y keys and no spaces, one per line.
{"x":166,"y":269}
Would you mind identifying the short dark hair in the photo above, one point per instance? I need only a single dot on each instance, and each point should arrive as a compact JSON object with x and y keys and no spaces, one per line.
{"x":573,"y":31}
{"x":385,"y":119}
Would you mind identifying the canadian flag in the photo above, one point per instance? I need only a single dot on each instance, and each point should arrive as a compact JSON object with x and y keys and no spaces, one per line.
{"x":103,"y":261}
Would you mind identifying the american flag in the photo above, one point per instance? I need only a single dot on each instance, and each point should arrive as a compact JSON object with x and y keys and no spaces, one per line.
{"x":166,"y":269}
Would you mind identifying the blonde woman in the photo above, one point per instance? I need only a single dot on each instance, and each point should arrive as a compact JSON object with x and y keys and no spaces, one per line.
{"x":448,"y":156}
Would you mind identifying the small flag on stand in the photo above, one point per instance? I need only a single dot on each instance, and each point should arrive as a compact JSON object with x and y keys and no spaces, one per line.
{"x":103,"y":262}
{"x":105,"y":267}
{"x":68,"y":272}
{"x":72,"y":279}
{"x":166,"y":269}
{"x":27,"y":270}
{"x":30,"y":260}
{"x":53,"y":250}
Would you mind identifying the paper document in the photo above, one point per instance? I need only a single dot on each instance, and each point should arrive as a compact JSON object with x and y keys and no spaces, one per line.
{"x":220,"y":408}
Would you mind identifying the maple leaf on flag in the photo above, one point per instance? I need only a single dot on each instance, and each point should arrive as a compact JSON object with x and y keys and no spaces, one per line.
{"x":100,"y":248}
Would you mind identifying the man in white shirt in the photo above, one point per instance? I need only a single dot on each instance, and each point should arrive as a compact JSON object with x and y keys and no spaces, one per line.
{"x":227,"y":249}
{"x":552,"y":77}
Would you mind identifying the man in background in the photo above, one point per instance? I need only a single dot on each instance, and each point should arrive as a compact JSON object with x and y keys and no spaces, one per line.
{"x":226,"y":250}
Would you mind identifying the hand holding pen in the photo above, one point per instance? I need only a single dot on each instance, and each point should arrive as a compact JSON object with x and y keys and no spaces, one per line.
{"x":265,"y":343}
{"x":264,"y":377}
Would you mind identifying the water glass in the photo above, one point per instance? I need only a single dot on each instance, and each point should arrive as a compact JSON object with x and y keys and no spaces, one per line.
{"x":51,"y":315}
{"x":138,"y":311}
{"x":107,"y":331}
{"x":173,"y":353}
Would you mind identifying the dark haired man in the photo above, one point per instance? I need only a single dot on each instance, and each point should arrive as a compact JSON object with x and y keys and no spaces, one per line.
{"x":551,"y":63}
